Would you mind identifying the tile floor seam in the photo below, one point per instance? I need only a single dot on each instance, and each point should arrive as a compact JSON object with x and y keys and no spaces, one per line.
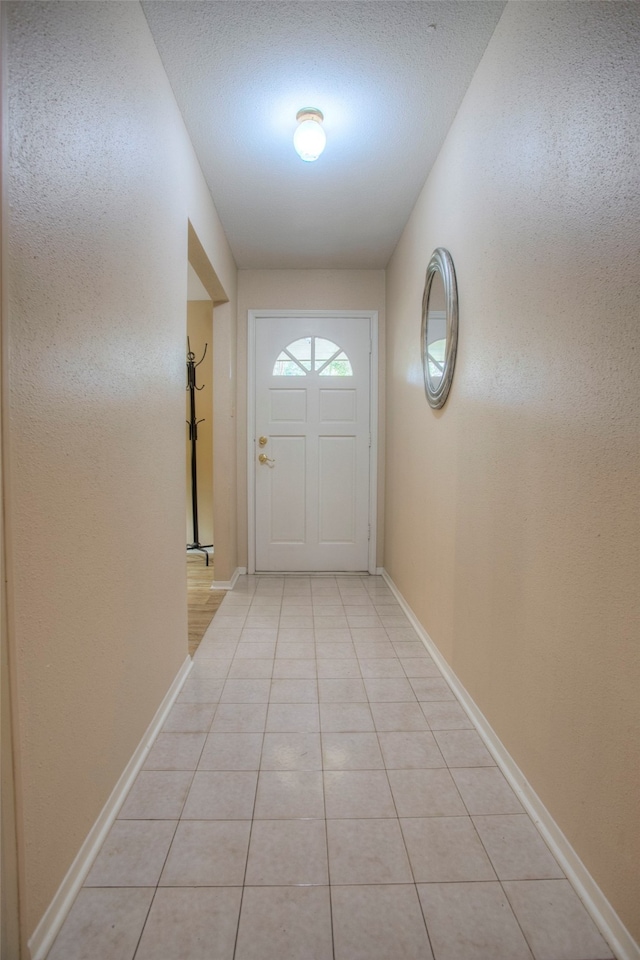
{"x":525,"y":816}
{"x":426,"y":925}
{"x":144,"y":925}
{"x":246,"y":864}
{"x":517,"y":919}
{"x":456,"y":788}
{"x":404,"y":842}
{"x":326,"y":839}
{"x":156,"y":888}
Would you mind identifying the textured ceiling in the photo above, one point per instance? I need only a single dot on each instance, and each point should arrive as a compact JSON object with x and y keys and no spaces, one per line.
{"x":388,"y":76}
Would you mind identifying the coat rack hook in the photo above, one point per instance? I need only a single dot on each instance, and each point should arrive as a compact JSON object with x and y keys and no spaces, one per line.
{"x":192,"y":424}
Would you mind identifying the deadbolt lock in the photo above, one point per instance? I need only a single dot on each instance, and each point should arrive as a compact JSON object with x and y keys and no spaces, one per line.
{"x":263,"y":441}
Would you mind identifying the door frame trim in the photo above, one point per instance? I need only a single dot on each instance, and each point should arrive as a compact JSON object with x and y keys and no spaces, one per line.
{"x":253,"y":316}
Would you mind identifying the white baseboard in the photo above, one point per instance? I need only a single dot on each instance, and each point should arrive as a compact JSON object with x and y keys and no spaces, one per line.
{"x":604,"y":916}
{"x":229,"y":584}
{"x":54,"y":916}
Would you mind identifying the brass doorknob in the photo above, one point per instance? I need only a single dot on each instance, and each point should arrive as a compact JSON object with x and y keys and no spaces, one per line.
{"x":263,"y":458}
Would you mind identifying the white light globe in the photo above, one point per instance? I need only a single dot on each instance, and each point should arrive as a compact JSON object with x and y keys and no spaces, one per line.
{"x":309,"y":140}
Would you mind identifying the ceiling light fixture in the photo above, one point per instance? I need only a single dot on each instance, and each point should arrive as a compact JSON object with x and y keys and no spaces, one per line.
{"x":309,"y":138}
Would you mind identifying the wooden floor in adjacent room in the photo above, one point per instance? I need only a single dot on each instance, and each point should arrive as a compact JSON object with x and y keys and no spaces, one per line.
{"x":202,"y":601}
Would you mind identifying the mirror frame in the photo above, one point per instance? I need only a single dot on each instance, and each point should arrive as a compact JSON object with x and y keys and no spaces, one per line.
{"x":441,"y":263}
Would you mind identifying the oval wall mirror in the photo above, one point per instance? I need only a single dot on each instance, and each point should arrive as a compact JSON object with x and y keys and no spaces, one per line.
{"x":439,"y":338}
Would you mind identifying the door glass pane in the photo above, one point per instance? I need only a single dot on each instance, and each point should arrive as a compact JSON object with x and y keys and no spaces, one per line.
{"x":325,"y":349}
{"x":286,"y":367}
{"x":312,"y":353}
{"x":300,"y":350}
{"x":338,"y":367}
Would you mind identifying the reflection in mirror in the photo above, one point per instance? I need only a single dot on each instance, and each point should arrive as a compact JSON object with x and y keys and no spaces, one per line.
{"x":439,"y":327}
{"x":436,"y":330}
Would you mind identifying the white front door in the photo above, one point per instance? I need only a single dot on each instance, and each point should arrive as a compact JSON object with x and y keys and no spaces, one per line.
{"x":312,"y":418}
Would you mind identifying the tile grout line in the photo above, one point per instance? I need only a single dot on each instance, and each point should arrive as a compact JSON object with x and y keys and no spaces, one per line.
{"x":324,"y":803}
{"x":255,"y":800}
{"x":155,"y":891}
{"x":404,"y":842}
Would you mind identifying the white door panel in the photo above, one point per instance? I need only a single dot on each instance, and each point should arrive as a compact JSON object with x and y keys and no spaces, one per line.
{"x":288,"y":406}
{"x":338,"y":406}
{"x":288,"y":506}
{"x":337,"y":475}
{"x":312,"y":404}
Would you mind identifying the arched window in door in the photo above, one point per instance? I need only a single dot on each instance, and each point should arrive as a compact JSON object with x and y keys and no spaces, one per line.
{"x":312,"y":354}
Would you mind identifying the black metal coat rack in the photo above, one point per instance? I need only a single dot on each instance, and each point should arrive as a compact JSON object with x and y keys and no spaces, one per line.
{"x":192,"y":423}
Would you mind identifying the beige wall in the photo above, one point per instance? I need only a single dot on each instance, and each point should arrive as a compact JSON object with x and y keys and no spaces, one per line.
{"x":512,"y":517}
{"x":306,"y":290}
{"x":102,"y":180}
{"x":200,"y":333}
{"x":9,"y":921}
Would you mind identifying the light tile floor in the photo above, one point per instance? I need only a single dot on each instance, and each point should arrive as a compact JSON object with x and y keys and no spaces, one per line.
{"x":317,"y":793}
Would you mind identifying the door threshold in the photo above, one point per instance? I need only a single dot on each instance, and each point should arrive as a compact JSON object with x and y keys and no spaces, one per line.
{"x":311,"y":573}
